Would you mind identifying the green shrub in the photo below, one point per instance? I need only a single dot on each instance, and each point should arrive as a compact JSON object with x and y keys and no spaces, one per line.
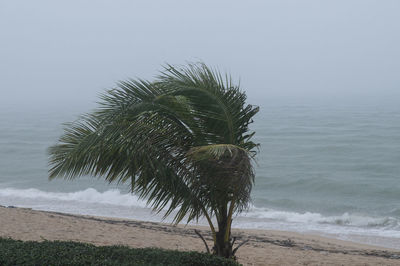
{"x":15,"y":252}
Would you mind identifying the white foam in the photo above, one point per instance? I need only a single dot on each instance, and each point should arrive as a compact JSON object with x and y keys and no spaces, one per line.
{"x":380,"y":231}
{"x":255,"y":214}
{"x":113,"y":203}
{"x":89,"y":195}
{"x":345,"y":219}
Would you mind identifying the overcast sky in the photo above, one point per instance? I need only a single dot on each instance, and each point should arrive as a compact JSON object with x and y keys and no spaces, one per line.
{"x":67,"y":52}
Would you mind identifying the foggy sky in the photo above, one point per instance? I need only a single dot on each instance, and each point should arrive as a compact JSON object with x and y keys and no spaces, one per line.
{"x":67,"y":52}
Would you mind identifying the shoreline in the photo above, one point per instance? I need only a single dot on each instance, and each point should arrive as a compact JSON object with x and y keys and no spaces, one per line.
{"x":364,"y":229}
{"x":265,"y":247}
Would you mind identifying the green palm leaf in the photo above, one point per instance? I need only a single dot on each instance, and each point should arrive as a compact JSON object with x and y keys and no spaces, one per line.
{"x":181,"y":142}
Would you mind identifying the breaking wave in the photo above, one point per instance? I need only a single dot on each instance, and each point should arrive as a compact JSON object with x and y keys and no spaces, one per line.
{"x":90,"y":201}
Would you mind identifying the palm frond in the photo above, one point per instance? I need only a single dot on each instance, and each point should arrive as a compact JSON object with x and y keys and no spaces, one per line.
{"x":181,"y":142}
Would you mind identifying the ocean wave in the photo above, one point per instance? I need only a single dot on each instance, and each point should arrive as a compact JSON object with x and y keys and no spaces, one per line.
{"x":259,"y":217}
{"x":90,"y":195}
{"x":345,"y":219}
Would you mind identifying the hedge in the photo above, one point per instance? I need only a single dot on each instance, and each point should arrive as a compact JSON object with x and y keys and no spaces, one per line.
{"x":16,"y":252}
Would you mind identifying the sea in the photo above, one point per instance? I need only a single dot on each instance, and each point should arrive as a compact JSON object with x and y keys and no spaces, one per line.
{"x":329,"y":170}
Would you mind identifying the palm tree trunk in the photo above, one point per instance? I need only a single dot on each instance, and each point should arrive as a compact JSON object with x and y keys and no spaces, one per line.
{"x":222,"y":244}
{"x":222,"y":247}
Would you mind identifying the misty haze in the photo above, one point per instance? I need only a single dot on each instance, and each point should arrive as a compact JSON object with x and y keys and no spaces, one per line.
{"x":324,"y":75}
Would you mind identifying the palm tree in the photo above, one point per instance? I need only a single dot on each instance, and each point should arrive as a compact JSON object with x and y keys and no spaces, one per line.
{"x":182,"y":142}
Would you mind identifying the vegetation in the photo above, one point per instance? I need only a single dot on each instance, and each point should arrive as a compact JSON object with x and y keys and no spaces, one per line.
{"x":14,"y":252}
{"x":182,"y":142}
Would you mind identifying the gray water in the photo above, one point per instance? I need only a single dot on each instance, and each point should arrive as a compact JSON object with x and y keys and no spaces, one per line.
{"x":328,"y":170}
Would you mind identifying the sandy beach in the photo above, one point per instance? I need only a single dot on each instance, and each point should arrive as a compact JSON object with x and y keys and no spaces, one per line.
{"x":263,"y":248}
